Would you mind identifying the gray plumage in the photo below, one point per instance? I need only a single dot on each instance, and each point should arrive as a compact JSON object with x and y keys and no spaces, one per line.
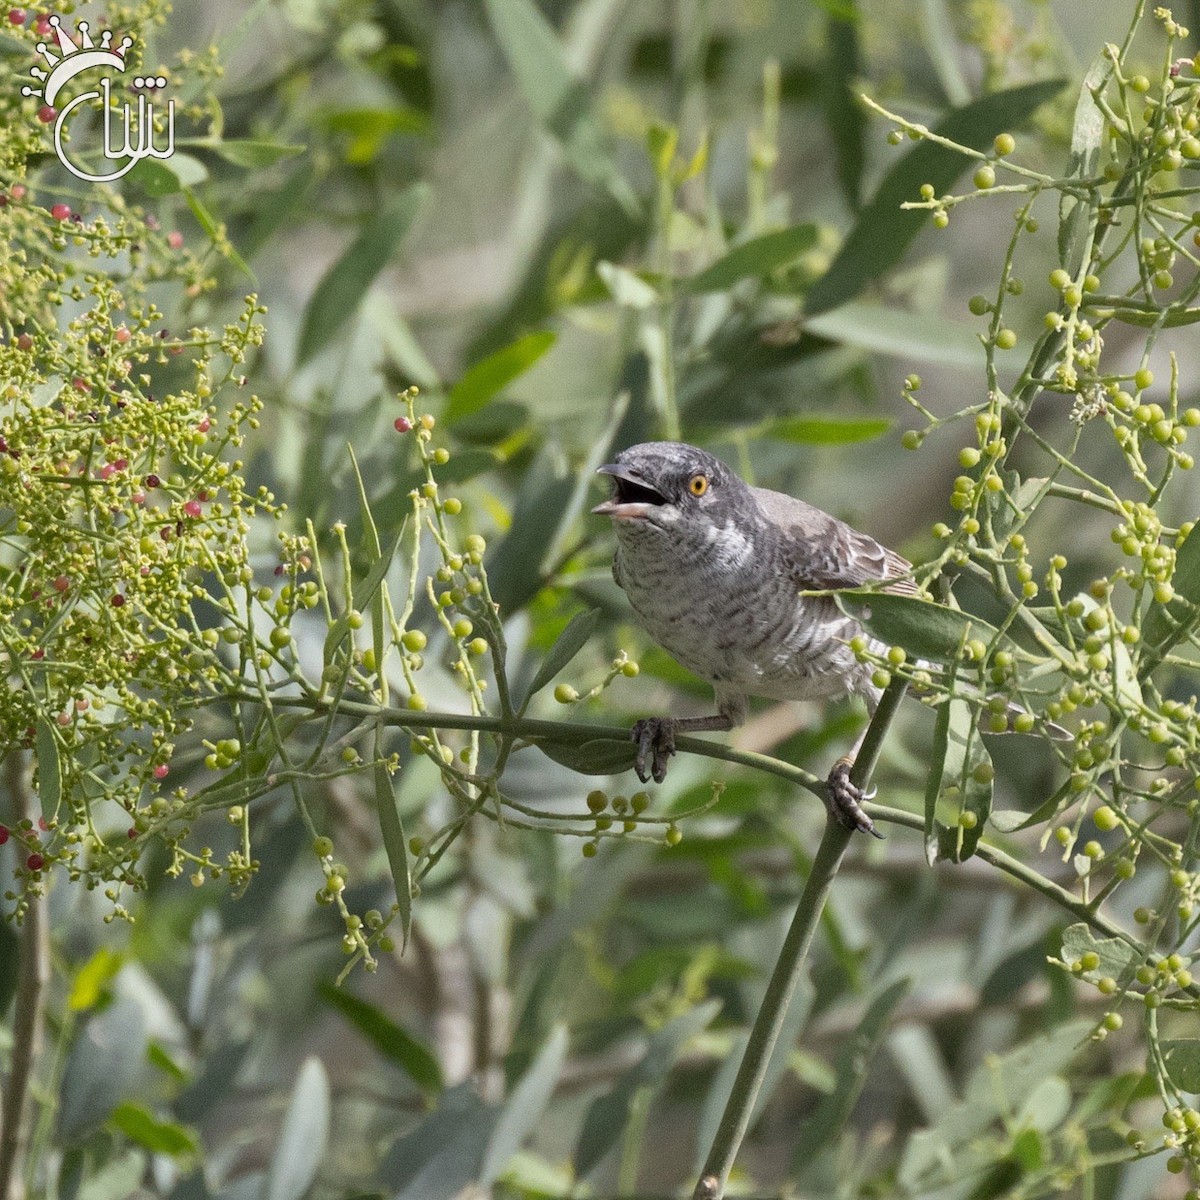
{"x":716,"y":579}
{"x":715,"y":569}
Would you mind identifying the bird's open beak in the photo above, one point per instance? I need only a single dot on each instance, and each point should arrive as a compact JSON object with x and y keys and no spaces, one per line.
{"x":631,"y":500}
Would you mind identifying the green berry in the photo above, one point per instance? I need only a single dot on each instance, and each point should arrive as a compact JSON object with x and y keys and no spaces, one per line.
{"x":322,"y":847}
{"x":414,"y":640}
{"x":1006,"y":339}
{"x":985,"y":177}
{"x":565,"y":694}
{"x":1004,"y":144}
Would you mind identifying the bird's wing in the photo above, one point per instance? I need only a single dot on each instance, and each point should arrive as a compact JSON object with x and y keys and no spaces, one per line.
{"x":828,"y":553}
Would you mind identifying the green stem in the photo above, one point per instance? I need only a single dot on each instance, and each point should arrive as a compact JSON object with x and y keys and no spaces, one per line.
{"x":735,"y":1120}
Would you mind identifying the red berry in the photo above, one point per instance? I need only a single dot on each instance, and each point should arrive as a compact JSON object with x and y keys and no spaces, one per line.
{"x":3,"y":834}
{"x":160,"y":772}
{"x":60,"y":212}
{"x":117,"y":601}
{"x":16,"y":16}
{"x":17,"y":191}
{"x":46,"y":114}
{"x":202,"y":496}
{"x":132,"y":832}
{"x":61,"y":583}
{"x":38,"y":655}
{"x":402,"y":424}
{"x":192,"y":509}
{"x":43,"y":25}
{"x":175,"y":239}
{"x":138,"y":498}
{"x":35,"y":862}
{"x":122,"y":335}
{"x":122,"y":464}
{"x":106,"y":471}
{"x":152,"y":481}
{"x":204,"y":426}
{"x":42,"y":825}
{"x":165,"y":533}
{"x":81,"y":385}
{"x":24,"y":341}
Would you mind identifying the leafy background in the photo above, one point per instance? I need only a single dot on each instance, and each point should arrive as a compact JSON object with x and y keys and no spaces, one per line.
{"x":427,"y":192}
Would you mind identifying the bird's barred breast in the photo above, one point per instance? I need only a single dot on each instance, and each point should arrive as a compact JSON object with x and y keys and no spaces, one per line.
{"x":733,"y":616}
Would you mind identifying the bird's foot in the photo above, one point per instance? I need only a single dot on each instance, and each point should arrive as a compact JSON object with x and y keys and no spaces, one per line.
{"x":845,"y":800}
{"x":655,"y":737}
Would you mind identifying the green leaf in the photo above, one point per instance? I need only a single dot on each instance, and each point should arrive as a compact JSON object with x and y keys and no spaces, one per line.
{"x":343,"y":286}
{"x":105,"y":1062}
{"x":966,"y":755}
{"x":994,"y":1090}
{"x":822,"y":1130}
{"x":370,"y":128}
{"x":91,"y":980}
{"x":162,"y":1137}
{"x":826,"y":429}
{"x":557,"y":98}
{"x":1116,"y":957}
{"x":1087,"y":137}
{"x":525,"y":1107}
{"x":607,"y":1116}
{"x":49,"y":768}
{"x":396,"y":846}
{"x":164,"y":177}
{"x":933,"y":781}
{"x":209,"y":224}
{"x":627,"y":287}
{"x":491,"y":376}
{"x":600,"y":757}
{"x":304,"y":1138}
{"x":844,"y":116}
{"x":884,"y":231}
{"x":924,"y":629}
{"x":386,"y":1036}
{"x":753,"y":259}
{"x":244,"y":152}
{"x":1182,"y":1056}
{"x":568,"y":644}
{"x":443,"y":1155}
{"x":900,"y":334}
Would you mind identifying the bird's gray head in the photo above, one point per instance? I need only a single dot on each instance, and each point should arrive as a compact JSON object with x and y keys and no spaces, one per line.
{"x":664,"y":485}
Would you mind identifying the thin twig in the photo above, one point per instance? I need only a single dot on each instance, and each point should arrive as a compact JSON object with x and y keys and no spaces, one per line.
{"x":739,"y":1109}
{"x":33,"y":975}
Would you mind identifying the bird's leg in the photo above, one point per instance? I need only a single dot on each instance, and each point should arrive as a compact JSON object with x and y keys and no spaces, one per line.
{"x":845,"y":798}
{"x":655,"y":737}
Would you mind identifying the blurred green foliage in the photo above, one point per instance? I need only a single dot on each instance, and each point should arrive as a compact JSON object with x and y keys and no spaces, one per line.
{"x":575,"y":225}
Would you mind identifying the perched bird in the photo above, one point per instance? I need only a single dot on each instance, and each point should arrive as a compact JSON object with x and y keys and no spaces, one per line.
{"x":715,"y":570}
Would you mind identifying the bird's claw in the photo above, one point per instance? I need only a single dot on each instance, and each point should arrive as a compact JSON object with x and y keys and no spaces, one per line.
{"x":845,"y":800}
{"x":655,"y":737}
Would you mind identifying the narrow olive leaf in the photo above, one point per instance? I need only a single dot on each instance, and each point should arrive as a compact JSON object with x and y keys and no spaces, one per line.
{"x":363,"y":593}
{"x":525,"y":1107}
{"x":242,"y":152}
{"x":166,"y":177}
{"x":924,"y":629}
{"x":892,"y":331}
{"x":378,"y":598}
{"x":1116,"y":957}
{"x":210,"y":226}
{"x":884,"y":231}
{"x":969,"y":765}
{"x":343,"y":286}
{"x":568,"y":644}
{"x":143,"y":1127}
{"x":392,"y":1041}
{"x":304,"y":1138}
{"x":491,"y":376}
{"x":49,"y":768}
{"x":1182,"y":1057}
{"x":608,"y":1115}
{"x":396,"y":846}
{"x":826,"y":429}
{"x":933,"y":781}
{"x":754,"y":259}
{"x":599,"y":757}
{"x":10,"y":965}
{"x":844,"y":116}
{"x":822,"y":1130}
{"x":558,"y":99}
{"x":1175,"y":316}
{"x":1087,"y":136}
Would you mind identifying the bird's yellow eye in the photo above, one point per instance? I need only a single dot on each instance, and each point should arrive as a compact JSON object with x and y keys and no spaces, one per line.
{"x":698,"y":485}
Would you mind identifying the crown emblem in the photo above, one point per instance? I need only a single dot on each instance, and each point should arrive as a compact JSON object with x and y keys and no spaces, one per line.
{"x":76,"y":54}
